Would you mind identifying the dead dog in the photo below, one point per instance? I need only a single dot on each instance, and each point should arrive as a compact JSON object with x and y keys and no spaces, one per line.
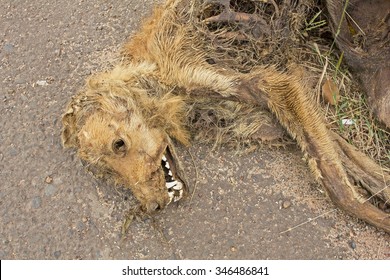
{"x":173,"y":81}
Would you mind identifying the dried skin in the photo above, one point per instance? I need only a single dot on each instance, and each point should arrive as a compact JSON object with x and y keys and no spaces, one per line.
{"x":170,"y":81}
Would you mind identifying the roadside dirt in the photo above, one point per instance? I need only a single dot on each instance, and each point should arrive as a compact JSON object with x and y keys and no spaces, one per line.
{"x":51,"y":208}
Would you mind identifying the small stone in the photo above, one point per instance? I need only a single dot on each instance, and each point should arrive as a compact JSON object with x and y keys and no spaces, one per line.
{"x":42,"y":83}
{"x":48,"y":180}
{"x":286,"y":204}
{"x":36,"y":202}
{"x":233,"y":249}
{"x":57,"y":254}
{"x":352,"y":244}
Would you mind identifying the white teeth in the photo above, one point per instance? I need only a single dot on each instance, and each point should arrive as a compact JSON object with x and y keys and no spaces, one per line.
{"x":175,"y":188}
{"x":171,"y":196}
{"x":178,"y":186}
{"x":177,"y":198}
{"x":170,"y":184}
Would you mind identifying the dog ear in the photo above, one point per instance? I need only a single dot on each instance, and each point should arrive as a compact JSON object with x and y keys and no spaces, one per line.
{"x":69,"y":127}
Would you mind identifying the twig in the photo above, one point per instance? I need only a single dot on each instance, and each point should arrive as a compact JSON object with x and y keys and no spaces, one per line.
{"x":321,"y":79}
{"x":379,"y":250}
{"x":196,"y":177}
{"x":357,"y":25}
{"x":340,"y":23}
{"x":308,"y":221}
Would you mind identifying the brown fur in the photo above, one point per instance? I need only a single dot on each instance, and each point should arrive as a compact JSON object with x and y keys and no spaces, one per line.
{"x":147,"y":101}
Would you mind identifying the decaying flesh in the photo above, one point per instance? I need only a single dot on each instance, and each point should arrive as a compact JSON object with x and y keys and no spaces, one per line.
{"x":124,"y":120}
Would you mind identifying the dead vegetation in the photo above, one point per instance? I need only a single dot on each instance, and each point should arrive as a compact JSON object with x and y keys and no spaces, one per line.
{"x":291,"y":35}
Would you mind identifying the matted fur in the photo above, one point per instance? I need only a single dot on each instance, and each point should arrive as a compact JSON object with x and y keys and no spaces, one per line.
{"x":170,"y":82}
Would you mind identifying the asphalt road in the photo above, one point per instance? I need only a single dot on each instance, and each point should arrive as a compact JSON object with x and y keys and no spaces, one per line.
{"x":52,"y":208}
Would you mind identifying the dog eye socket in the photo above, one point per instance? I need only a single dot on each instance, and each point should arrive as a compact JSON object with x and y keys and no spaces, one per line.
{"x":119,"y":146}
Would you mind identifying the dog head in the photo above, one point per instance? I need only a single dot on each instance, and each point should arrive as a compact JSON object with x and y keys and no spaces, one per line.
{"x":123,"y":122}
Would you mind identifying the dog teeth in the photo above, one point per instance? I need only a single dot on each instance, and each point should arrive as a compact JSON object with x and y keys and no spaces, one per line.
{"x":175,"y":188}
{"x":178,"y":186}
{"x":170,"y":185}
{"x":171,"y":197}
{"x":177,"y":198}
{"x":165,"y":160}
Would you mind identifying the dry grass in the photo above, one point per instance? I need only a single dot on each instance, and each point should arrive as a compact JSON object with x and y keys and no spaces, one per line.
{"x":351,"y":116}
{"x":308,"y":44}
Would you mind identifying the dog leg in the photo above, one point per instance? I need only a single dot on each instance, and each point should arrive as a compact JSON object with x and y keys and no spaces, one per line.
{"x":335,"y":163}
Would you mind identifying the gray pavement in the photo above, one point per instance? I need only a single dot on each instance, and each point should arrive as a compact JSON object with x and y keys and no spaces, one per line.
{"x":52,"y":208}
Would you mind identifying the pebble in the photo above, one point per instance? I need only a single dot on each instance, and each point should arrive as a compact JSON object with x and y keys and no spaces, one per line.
{"x":57,"y":254}
{"x":48,"y":180}
{"x":36,"y":202}
{"x":286,"y":204}
{"x":42,"y":83}
{"x":233,"y":249}
{"x":352,"y":244}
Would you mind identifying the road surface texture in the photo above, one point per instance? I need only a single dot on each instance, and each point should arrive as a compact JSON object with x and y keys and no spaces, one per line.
{"x":52,"y":208}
